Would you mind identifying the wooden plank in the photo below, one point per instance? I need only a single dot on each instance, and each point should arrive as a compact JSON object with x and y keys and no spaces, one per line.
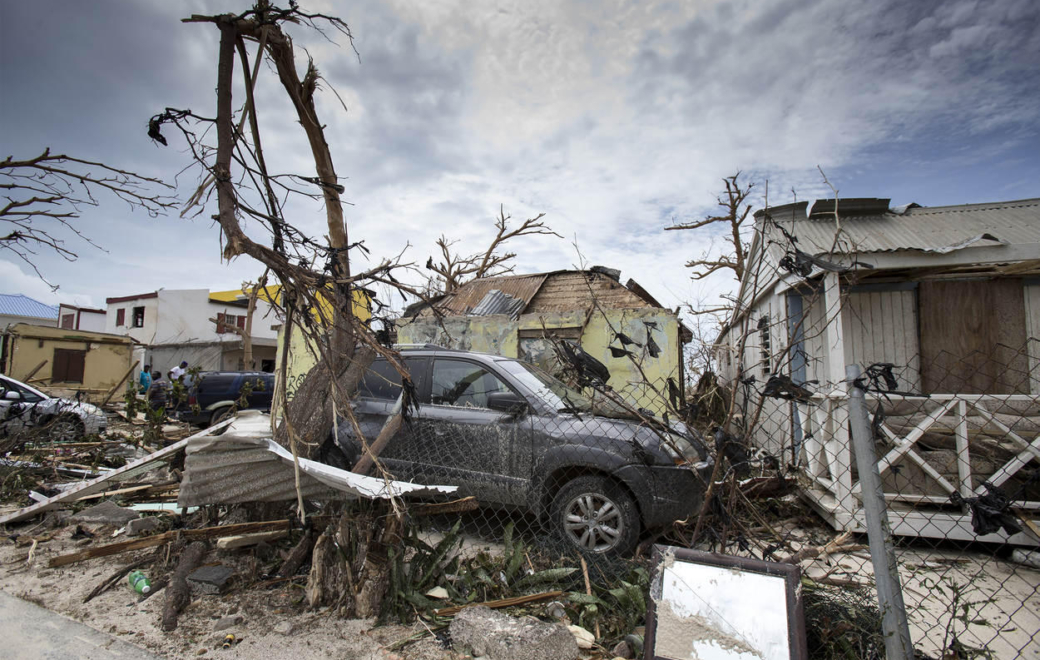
{"x":122,"y":380}
{"x":244,"y":540}
{"x":99,"y":484}
{"x":166,"y":537}
{"x":32,"y":373}
{"x":504,"y":602}
{"x":972,"y":336}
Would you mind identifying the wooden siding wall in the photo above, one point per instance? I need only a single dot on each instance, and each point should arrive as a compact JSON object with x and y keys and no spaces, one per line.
{"x":1032,"y":299}
{"x":881,"y":326}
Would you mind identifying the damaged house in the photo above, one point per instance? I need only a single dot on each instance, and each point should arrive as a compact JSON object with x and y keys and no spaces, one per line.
{"x":520,"y":316}
{"x":175,"y":325}
{"x":946,"y":300}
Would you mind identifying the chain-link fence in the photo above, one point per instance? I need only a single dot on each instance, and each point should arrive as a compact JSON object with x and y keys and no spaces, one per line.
{"x":564,"y":475}
{"x":957,"y":441}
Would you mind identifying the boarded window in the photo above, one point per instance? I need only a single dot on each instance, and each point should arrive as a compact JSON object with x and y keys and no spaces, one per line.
{"x":973,"y":336}
{"x":68,"y":366}
{"x":120,"y":318}
{"x":68,"y":321}
{"x":138,"y":317}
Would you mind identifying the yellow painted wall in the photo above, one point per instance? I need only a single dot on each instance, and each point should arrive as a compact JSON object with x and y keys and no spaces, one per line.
{"x":500,"y":335}
{"x":302,"y":354}
{"x":107,"y":360}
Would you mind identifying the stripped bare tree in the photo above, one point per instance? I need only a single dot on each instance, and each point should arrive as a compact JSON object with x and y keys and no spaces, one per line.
{"x":730,"y":222}
{"x":317,"y":284}
{"x":456,"y":269}
{"x":43,"y":197}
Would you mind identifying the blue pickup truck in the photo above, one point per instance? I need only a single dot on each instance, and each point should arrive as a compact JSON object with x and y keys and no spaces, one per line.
{"x":215,"y":394}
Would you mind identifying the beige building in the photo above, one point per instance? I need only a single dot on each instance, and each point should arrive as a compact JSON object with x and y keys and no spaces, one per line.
{"x":61,"y":361}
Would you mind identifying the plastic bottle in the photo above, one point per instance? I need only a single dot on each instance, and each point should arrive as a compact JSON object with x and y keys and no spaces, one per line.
{"x":139,"y":582}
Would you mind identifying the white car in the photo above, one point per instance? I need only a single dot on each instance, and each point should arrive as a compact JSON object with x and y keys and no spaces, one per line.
{"x":23,"y":407}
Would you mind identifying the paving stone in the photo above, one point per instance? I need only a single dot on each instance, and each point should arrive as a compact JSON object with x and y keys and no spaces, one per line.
{"x":211,"y":579}
{"x":142,"y":525}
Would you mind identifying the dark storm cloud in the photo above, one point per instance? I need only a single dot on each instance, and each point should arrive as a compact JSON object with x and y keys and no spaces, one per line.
{"x":412,"y":96}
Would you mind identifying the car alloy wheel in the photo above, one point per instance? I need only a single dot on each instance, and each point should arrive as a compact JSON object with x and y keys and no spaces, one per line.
{"x":65,"y":428}
{"x":596,"y":515}
{"x":593,"y":522}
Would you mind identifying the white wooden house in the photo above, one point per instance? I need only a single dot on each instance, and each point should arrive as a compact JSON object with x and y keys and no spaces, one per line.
{"x":950,"y":296}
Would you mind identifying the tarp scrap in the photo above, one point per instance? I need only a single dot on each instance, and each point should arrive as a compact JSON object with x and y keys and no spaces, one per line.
{"x":244,"y":465}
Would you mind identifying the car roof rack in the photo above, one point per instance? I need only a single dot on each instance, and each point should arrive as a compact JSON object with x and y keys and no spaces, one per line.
{"x":422,"y":347}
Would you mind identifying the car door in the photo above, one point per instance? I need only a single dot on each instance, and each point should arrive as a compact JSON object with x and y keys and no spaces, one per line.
{"x":462,"y":442}
{"x":378,"y":392}
{"x":16,"y":414}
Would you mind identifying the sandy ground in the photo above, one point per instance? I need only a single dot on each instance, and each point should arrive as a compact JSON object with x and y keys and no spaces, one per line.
{"x":120,"y":613}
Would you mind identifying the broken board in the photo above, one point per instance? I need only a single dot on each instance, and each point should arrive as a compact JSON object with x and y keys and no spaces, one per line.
{"x":139,"y":466}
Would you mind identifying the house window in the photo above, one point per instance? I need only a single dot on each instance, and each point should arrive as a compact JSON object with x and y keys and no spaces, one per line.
{"x":68,"y":321}
{"x":120,"y":318}
{"x":766,"y":348}
{"x":68,"y":366}
{"x":226,"y":323}
{"x":138,"y":317}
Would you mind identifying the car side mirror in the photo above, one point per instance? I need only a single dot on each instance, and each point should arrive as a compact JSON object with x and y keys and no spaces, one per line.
{"x":13,"y":395}
{"x":507,"y":402}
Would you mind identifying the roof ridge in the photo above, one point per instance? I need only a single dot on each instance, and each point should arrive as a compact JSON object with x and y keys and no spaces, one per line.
{"x":982,"y":206}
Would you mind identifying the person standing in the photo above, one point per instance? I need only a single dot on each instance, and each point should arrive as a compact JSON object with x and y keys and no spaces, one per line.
{"x":178,"y":372}
{"x":144,"y":381}
{"x":158,"y":392}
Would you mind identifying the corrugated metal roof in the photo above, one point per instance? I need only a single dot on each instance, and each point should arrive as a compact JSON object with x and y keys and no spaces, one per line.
{"x":469,"y":295}
{"x":244,"y":465}
{"x":496,"y":302}
{"x":931,"y":229}
{"x":19,"y":305}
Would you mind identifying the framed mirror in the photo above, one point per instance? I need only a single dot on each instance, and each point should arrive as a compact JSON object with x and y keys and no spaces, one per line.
{"x":705,"y":606}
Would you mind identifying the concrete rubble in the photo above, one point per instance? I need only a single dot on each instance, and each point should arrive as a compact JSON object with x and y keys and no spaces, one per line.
{"x":497,"y":636}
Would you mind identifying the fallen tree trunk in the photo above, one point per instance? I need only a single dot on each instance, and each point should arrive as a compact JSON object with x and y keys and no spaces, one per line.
{"x":178,"y":593}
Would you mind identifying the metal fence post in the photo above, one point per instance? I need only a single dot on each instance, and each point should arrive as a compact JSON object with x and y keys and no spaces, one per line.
{"x":882,"y":554}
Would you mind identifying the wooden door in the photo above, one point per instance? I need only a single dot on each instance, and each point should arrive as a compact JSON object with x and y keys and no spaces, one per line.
{"x":973,"y":337}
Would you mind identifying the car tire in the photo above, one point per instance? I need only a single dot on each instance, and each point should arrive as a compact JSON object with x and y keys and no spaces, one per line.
{"x":65,"y":428}
{"x":218,"y":416}
{"x":596,"y":516}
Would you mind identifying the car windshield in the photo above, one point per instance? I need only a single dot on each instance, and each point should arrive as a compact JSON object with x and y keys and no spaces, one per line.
{"x":553,"y":391}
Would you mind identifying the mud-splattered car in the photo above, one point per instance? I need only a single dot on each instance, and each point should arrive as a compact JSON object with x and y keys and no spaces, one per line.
{"x":515,"y":437}
{"x":23,"y":407}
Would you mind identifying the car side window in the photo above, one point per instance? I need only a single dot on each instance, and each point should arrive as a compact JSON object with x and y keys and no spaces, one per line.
{"x":381,"y":380}
{"x":27,"y":395}
{"x":463,"y":384}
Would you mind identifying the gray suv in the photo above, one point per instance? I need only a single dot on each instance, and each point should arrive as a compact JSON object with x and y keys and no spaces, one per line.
{"x":517,"y":438}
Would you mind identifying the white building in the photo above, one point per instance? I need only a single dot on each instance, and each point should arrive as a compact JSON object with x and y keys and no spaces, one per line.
{"x":71,"y":317}
{"x":176,"y":326}
{"x":948,"y":298}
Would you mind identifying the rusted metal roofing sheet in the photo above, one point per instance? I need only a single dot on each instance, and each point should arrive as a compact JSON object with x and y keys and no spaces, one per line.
{"x":930,"y":229}
{"x":469,"y":295}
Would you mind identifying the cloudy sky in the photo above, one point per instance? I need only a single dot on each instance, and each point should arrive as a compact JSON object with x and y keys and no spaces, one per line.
{"x":613,"y":118}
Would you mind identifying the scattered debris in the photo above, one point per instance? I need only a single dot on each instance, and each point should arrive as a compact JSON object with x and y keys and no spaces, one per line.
{"x":106,"y":513}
